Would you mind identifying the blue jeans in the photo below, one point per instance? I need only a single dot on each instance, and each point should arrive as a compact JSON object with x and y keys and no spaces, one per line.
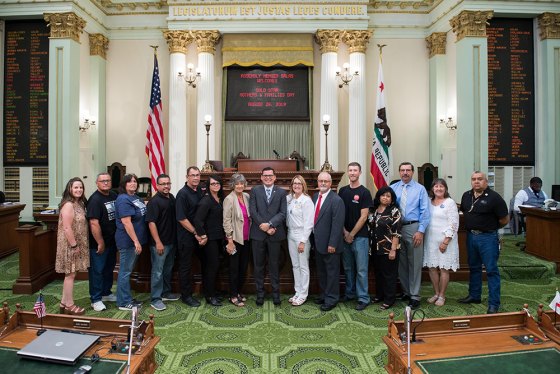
{"x":127,"y":260}
{"x":484,"y":249}
{"x":162,"y":270}
{"x":101,"y":272}
{"x":356,"y":261}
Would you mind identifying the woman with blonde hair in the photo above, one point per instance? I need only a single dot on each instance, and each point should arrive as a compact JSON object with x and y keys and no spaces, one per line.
{"x":72,"y":243}
{"x":299,"y":220}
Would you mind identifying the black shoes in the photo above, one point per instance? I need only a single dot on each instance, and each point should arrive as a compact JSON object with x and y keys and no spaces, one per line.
{"x":414,"y":304}
{"x":327,"y":307}
{"x":492,"y":310}
{"x":405,"y":297}
{"x":276,"y":301}
{"x":259,"y":301}
{"x":191,"y":301}
{"x":213,"y":301}
{"x":469,"y":300}
{"x":319,"y":301}
{"x":361,"y":306}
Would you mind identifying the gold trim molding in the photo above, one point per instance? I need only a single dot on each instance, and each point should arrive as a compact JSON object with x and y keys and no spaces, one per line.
{"x":549,"y":25}
{"x":357,"y":40}
{"x":471,"y":23}
{"x":65,"y":25}
{"x":436,"y":43}
{"x":98,"y":45}
{"x":328,"y":40}
{"x":178,"y":40}
{"x":206,"y":40}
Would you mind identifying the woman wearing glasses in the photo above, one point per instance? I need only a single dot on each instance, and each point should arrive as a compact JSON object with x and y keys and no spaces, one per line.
{"x":237,"y":224}
{"x":208,"y":222}
{"x":131,"y":235}
{"x":72,"y":249}
{"x":300,"y":224}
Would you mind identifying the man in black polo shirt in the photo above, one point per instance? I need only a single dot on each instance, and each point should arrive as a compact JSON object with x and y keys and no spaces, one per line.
{"x":185,"y":207}
{"x":160,"y":215}
{"x":485,"y":212}
{"x":102,"y":247}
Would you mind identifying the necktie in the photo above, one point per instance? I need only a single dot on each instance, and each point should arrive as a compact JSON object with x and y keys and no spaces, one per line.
{"x":317,"y":208}
{"x":268,"y":194}
{"x":403,"y":202}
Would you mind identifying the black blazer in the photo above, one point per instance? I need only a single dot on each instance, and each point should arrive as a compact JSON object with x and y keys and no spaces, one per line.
{"x":328,"y":230}
{"x":263,"y":212}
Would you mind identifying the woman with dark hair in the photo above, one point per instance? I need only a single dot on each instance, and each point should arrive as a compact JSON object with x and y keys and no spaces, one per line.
{"x":441,"y":248}
{"x":131,"y":235}
{"x":237,"y":224}
{"x":72,"y":244}
{"x":208,"y":222}
{"x":385,"y":232}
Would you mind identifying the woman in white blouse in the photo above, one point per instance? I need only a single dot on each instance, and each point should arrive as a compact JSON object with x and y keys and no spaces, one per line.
{"x":441,"y":248}
{"x":300,"y":224}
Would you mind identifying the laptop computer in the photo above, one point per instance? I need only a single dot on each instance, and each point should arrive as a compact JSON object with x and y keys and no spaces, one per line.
{"x":58,"y":346}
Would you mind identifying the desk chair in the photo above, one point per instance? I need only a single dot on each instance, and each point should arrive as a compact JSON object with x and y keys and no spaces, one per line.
{"x":144,"y":188}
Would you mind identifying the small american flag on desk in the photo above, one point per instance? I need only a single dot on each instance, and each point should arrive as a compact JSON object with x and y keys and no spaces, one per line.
{"x":39,"y":307}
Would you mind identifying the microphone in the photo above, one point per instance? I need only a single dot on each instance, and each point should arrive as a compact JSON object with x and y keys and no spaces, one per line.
{"x":407,"y":312}
{"x":276,"y":153}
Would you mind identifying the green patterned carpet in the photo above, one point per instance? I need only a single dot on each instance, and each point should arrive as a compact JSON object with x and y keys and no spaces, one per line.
{"x":290,"y":339}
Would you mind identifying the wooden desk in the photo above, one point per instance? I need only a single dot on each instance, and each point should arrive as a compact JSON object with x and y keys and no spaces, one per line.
{"x":461,"y":336}
{"x":549,"y":322}
{"x":247,"y":164}
{"x":9,"y":220}
{"x":542,"y":230}
{"x":21,"y":328}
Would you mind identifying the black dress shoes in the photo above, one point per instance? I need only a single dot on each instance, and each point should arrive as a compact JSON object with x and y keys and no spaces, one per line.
{"x":327,"y":307}
{"x":414,"y":304}
{"x":276,"y":300}
{"x":319,"y":301}
{"x":405,"y":297}
{"x":361,"y":306}
{"x":492,"y":310}
{"x":191,"y":301}
{"x":259,"y":301}
{"x":213,"y":301}
{"x":469,"y":300}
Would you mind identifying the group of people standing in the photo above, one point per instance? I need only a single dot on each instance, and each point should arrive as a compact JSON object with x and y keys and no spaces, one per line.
{"x":403,"y":228}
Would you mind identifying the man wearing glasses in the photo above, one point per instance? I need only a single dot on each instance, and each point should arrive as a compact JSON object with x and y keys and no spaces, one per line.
{"x":485,"y":211}
{"x":185,"y":207}
{"x":103,"y":249}
{"x":160,"y":215}
{"x":267,"y":205}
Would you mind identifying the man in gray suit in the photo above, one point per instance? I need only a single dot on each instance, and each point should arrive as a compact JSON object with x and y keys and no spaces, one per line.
{"x":267,"y":206}
{"x":328,"y":241}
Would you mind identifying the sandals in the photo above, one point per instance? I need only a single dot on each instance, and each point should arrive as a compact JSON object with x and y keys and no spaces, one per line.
{"x":376,"y":300}
{"x":241,"y":297}
{"x":292,"y":299}
{"x":440,"y":301}
{"x":298,"y":302}
{"x":433,"y":299}
{"x":74,"y":310}
{"x":62,"y":308}
{"x":237,"y":301}
{"x":385,"y":306}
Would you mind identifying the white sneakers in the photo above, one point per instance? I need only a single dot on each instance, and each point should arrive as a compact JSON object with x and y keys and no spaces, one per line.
{"x":98,"y":306}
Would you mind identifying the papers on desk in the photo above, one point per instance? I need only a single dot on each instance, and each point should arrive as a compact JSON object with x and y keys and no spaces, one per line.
{"x":49,"y":211}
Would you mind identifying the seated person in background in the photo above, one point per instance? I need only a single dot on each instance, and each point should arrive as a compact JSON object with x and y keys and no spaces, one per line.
{"x":531,"y":195}
{"x":2,"y":197}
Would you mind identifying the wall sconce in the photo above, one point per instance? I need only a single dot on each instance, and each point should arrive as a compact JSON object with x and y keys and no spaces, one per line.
{"x":345,"y":76}
{"x":448,"y":123}
{"x":207,"y":168}
{"x":86,"y":124}
{"x":326,"y":166}
{"x":192,"y":75}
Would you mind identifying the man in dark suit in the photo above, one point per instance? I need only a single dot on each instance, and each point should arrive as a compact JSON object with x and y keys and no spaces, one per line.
{"x":328,"y":241}
{"x":267,"y":206}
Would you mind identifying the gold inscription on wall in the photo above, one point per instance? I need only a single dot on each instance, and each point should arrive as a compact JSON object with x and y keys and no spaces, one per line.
{"x":265,"y":11}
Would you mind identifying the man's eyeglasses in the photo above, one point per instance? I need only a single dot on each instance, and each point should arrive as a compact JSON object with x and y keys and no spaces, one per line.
{"x":268,"y":175}
{"x":165,"y":184}
{"x":104,"y":181}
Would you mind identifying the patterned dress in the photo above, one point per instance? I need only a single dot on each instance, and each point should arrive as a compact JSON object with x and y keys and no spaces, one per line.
{"x":66,"y":261}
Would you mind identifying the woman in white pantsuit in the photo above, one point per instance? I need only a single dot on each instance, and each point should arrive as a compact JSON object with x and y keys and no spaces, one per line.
{"x":300,"y":224}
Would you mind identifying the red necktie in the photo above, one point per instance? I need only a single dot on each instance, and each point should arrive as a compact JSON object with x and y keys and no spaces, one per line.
{"x":318,"y":208}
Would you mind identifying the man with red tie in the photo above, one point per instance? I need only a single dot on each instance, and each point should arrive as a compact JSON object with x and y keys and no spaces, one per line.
{"x":328,"y":241}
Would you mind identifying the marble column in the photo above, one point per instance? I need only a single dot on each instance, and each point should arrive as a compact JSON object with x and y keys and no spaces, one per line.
{"x":206,"y":47}
{"x":177,"y":135}
{"x":547,"y":142}
{"x":435,"y":43}
{"x":328,"y":41}
{"x":64,"y":100}
{"x":357,"y":41}
{"x":98,"y":45}
{"x":472,"y":94}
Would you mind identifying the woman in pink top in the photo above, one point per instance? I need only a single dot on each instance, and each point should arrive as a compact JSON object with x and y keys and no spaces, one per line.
{"x":236,"y":226}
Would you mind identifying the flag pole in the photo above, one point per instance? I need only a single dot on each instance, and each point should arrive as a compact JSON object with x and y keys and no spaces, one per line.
{"x":155,"y":47}
{"x":41,"y":330}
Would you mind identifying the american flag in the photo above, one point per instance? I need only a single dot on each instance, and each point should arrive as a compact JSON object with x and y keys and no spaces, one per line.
{"x":39,"y":307}
{"x":154,"y":133}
